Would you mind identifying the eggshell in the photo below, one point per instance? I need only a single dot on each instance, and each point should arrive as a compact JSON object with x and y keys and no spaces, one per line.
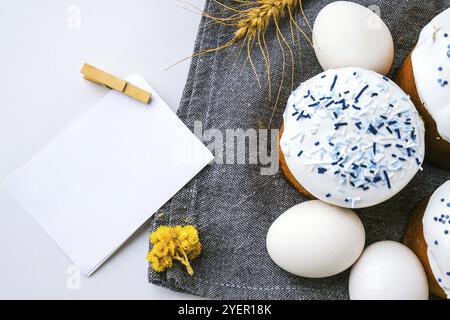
{"x":346,"y":34}
{"x":316,"y":240}
{"x":388,"y":270}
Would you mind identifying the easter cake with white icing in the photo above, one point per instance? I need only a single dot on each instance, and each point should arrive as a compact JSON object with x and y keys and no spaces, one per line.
{"x":425,"y":76}
{"x":351,"y":137}
{"x":428,"y":235}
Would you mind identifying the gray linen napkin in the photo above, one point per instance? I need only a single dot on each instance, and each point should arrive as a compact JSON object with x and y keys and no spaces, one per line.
{"x":234,"y":205}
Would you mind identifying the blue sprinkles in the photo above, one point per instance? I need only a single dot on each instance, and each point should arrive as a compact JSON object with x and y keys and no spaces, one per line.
{"x":321,"y":170}
{"x":387,"y":179}
{"x":361,"y":92}
{"x":334,"y":83}
{"x":338,"y":125}
{"x":413,"y":134}
{"x":372,"y":130}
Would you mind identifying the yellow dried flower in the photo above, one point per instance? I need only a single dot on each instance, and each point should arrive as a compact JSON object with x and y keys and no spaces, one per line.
{"x":159,"y":264}
{"x":163,"y":233}
{"x":181,"y":243}
{"x":195,"y":252}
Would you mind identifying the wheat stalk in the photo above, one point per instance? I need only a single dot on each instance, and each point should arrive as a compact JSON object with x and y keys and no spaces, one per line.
{"x":251,"y":19}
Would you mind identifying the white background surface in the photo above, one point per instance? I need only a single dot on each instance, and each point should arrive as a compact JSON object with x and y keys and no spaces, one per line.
{"x":41,"y":91}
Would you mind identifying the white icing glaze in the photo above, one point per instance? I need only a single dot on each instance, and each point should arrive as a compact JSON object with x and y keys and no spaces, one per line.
{"x":431,"y":66}
{"x":352,"y":137}
{"x":436,"y":228}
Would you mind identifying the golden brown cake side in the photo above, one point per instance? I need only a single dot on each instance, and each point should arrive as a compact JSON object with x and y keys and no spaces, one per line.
{"x":414,"y":239}
{"x":437,"y":149}
{"x":288,"y":174}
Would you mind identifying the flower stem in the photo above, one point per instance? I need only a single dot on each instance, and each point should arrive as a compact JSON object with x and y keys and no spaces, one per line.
{"x":185,"y":261}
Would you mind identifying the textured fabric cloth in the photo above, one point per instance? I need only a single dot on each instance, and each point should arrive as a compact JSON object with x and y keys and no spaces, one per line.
{"x":234,"y":205}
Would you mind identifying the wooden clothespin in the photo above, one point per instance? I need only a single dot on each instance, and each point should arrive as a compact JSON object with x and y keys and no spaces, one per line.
{"x":109,"y":81}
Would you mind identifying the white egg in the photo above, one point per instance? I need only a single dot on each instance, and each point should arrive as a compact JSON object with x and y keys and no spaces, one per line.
{"x":346,"y":34}
{"x":388,"y":270}
{"x":316,"y":240}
